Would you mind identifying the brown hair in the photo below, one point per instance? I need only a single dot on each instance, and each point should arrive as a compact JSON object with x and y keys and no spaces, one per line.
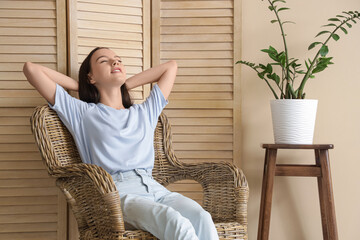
{"x":88,"y":92}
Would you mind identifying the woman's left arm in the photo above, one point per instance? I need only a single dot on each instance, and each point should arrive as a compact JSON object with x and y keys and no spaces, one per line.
{"x":164,"y":74}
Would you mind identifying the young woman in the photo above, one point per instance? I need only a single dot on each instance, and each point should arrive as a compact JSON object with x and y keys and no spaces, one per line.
{"x":117,"y":135}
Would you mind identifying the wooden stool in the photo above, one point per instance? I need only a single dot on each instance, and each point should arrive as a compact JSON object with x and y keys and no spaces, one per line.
{"x":321,"y":170}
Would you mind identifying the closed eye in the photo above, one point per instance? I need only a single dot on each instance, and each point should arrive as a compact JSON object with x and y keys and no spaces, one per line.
{"x":106,"y":61}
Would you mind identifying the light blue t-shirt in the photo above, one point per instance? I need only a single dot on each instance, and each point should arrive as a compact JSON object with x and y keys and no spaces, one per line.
{"x":117,"y":140}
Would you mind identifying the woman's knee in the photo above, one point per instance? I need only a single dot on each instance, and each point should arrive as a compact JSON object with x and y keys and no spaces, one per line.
{"x":176,"y":220}
{"x":205,"y":216}
{"x":178,"y":227}
{"x":200,"y":216}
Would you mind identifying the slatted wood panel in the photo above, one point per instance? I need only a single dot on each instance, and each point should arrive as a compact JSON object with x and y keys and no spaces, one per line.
{"x":204,"y":38}
{"x":118,"y":25}
{"x":31,"y":207}
{"x":124,"y":27}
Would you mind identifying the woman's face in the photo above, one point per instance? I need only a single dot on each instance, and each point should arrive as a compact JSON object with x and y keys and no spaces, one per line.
{"x":107,"y":69}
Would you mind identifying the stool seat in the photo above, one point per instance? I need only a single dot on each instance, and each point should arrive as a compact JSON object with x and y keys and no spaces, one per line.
{"x":299,"y":146}
{"x":321,"y":170}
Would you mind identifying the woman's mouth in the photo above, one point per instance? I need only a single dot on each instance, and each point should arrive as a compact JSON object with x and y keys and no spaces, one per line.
{"x":116,"y":70}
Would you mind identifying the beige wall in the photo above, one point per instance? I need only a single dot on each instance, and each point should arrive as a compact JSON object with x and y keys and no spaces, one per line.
{"x":296,"y":213}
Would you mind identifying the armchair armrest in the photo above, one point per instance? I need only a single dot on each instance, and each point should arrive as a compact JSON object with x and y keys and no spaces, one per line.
{"x":93,"y":197}
{"x":101,"y":179}
{"x":226,"y":190}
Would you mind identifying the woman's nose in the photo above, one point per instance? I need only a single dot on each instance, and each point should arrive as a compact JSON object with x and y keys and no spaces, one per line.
{"x":115,"y":62}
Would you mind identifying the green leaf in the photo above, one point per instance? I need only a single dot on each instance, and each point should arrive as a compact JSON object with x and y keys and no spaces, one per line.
{"x":313,"y":45}
{"x":266,"y":50}
{"x":272,"y":52}
{"x":322,"y":32}
{"x":268,"y":69}
{"x":328,"y":60}
{"x":293,"y":63}
{"x":341,"y":16}
{"x":288,"y":22}
{"x":278,"y":1}
{"x":329,"y":25}
{"x":243,"y":62}
{"x":347,"y":13}
{"x":261,"y":75}
{"x":283,"y":60}
{"x":344,"y":30}
{"x":319,"y":68}
{"x":272,"y":49}
{"x":271,"y":8}
{"x":273,"y":57}
{"x":353,"y":20}
{"x":306,"y":64}
{"x":300,"y":72}
{"x":334,"y":20}
{"x":274,"y":21}
{"x":282,"y":9}
{"x":277,"y":79}
{"x":252,"y":65}
{"x":324,"y":50}
{"x":349,"y":25}
{"x":274,"y":77}
{"x":335,"y":36}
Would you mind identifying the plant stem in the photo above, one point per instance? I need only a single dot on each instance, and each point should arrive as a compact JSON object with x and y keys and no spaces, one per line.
{"x":282,"y":84}
{"x":285,"y":46}
{"x":309,"y":71}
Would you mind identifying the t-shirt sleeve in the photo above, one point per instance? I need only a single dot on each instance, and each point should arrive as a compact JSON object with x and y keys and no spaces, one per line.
{"x":68,"y":108}
{"x":154,"y":104}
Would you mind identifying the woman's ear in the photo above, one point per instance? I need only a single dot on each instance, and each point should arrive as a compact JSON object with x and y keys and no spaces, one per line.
{"x":91,"y":80}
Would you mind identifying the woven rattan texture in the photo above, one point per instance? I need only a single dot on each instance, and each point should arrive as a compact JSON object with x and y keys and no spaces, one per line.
{"x":93,"y":197}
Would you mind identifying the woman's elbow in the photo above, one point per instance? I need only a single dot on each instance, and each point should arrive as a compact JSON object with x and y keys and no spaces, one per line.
{"x":26,"y":66}
{"x":28,"y":70}
{"x":173,"y":64}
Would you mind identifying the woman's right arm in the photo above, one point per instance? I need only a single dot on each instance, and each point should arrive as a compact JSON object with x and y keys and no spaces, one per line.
{"x":44,"y":80}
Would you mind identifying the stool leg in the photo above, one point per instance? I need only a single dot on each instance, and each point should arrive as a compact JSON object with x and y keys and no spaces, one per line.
{"x":322,"y":199}
{"x":326,"y":196}
{"x":266,"y":194}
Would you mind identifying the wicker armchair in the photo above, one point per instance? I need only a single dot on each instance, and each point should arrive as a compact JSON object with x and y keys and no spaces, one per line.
{"x":93,"y":196}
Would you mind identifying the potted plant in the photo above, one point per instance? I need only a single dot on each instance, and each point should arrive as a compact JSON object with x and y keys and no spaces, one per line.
{"x":294,"y":116}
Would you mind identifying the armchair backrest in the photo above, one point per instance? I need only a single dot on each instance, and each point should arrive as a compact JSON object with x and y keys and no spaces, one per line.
{"x":58,"y":148}
{"x":56,"y":145}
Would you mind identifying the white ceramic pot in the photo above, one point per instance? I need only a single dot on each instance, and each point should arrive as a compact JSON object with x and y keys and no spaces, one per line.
{"x":293,"y":120}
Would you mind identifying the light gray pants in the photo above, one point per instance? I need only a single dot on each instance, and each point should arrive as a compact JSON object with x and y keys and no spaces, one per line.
{"x":149,"y":206}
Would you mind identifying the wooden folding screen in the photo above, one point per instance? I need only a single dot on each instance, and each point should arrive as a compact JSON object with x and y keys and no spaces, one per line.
{"x":31,"y":207}
{"x":203,"y":36}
